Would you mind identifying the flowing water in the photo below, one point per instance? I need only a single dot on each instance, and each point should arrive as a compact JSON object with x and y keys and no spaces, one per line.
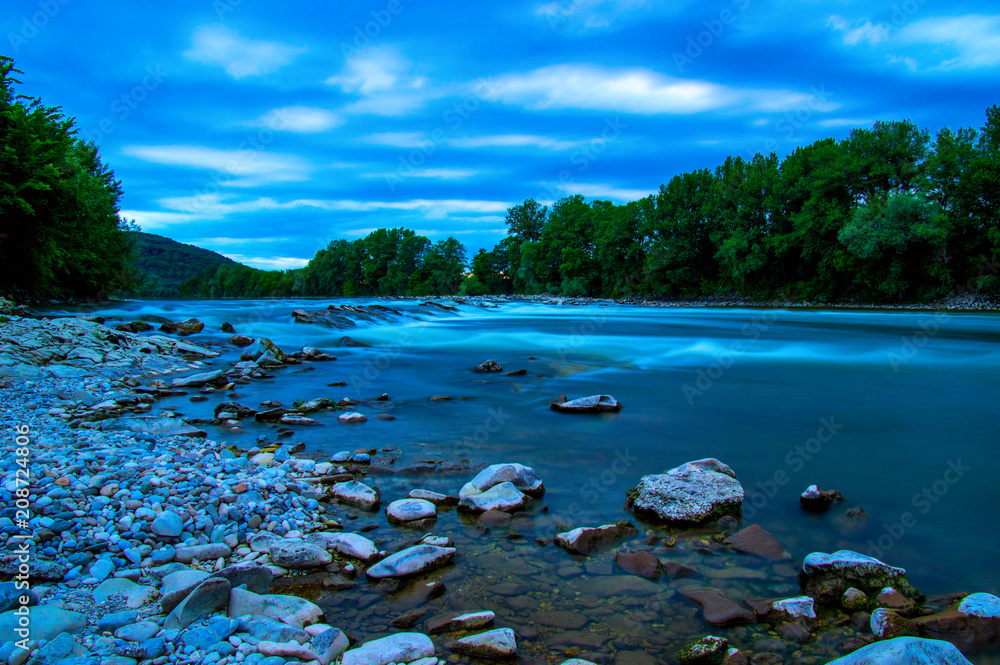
{"x":896,"y":410}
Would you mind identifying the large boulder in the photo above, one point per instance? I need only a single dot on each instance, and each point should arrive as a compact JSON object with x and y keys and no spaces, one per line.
{"x":909,"y":650}
{"x":261,"y":346}
{"x":592,"y":404}
{"x":826,"y":577}
{"x":398,"y":648}
{"x":692,"y":493}
{"x":412,"y":560}
{"x":585,"y":540}
{"x":522,"y":477}
{"x":187,"y":327}
{"x":503,"y":497}
{"x":973,"y":624}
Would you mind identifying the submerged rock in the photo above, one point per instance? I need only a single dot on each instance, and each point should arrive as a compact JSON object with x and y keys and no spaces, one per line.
{"x":818,"y":501}
{"x":522,"y":477}
{"x":755,"y":540}
{"x":411,"y":561}
{"x":718,"y":609}
{"x":826,"y":577}
{"x":585,"y":540}
{"x":455,"y":622}
{"x":689,"y":494}
{"x":909,"y":650}
{"x":709,"y":650}
{"x":643,"y":564}
{"x":592,"y":404}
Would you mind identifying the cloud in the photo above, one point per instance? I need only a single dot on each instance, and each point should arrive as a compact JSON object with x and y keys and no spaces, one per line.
{"x":606,"y":191}
{"x":844,"y":122}
{"x":974,"y":39}
{"x":514,"y":141}
{"x":869,"y":32}
{"x":150,"y":219}
{"x":211,"y":242}
{"x":299,"y":119}
{"x":269,"y":263}
{"x":245,"y":168}
{"x":399,"y":139}
{"x":588,"y":87}
{"x":443,"y":174}
{"x":239,"y":56}
{"x":909,"y":62}
{"x":381,"y":76}
{"x":589,"y":13}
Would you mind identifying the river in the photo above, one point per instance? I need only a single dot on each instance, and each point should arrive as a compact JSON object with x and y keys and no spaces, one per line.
{"x":898,"y":410}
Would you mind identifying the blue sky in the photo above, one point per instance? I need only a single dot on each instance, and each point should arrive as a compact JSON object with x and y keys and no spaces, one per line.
{"x":264,"y":131}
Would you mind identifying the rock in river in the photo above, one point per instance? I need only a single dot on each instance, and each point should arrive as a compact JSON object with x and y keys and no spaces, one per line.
{"x":816,"y":500}
{"x":755,"y":540}
{"x":973,"y":624}
{"x":498,"y":643}
{"x":909,"y":650}
{"x":488,"y":366}
{"x":503,"y":497}
{"x":411,"y":561}
{"x":356,"y":494}
{"x":398,"y":648}
{"x":585,"y":540}
{"x":522,"y":477}
{"x":719,"y":609}
{"x":592,"y":404}
{"x":187,"y":327}
{"x":689,"y":494}
{"x":409,"y":510}
{"x":827,"y":576}
{"x":299,"y":555}
{"x":348,"y":544}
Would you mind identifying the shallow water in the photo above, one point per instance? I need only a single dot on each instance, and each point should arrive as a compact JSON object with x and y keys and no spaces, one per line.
{"x":897,"y":410}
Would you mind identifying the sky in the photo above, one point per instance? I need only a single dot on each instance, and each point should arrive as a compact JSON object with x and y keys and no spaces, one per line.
{"x":265,"y":131}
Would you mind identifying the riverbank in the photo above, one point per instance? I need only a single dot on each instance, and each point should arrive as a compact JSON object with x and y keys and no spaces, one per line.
{"x":146,"y":527}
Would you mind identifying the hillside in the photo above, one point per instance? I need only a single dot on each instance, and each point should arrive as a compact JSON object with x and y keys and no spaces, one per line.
{"x":163,"y":264}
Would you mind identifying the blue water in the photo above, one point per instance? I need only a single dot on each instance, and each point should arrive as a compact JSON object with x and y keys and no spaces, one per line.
{"x":897,"y":410}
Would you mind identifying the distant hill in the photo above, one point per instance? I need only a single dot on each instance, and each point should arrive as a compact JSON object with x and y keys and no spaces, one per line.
{"x":164,"y":263}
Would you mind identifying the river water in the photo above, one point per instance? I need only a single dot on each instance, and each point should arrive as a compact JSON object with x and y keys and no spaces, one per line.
{"x":896,"y":410}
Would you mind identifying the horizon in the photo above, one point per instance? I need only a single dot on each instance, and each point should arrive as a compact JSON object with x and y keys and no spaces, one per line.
{"x":297,"y":130}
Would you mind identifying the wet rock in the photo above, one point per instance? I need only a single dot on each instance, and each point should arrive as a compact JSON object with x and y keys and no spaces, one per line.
{"x":887,"y":624}
{"x":504,"y":497}
{"x":352,"y":418}
{"x":238,"y":410}
{"x":891,"y":599}
{"x":299,"y":555}
{"x":909,"y":650}
{"x":973,"y":624}
{"x":816,"y":500}
{"x":271,"y":415}
{"x":755,"y":540}
{"x":585,"y":540}
{"x":718,"y":609}
{"x":217,"y":378}
{"x":592,"y":404}
{"x":347,"y":544}
{"x":356,"y":494}
{"x":260,"y":347}
{"x":826,"y":577}
{"x":783,"y":609}
{"x":640,"y":563}
{"x":522,"y":477}
{"x":709,"y":650}
{"x":411,"y":561}
{"x":493,"y":518}
{"x":452,"y":623}
{"x":209,"y":597}
{"x":241,"y":341}
{"x":677,"y":571}
{"x":853,"y":519}
{"x":257,"y":578}
{"x":186,"y":327}
{"x":695,"y":492}
{"x":298,"y":421}
{"x":498,"y":643}
{"x":488,"y":366}
{"x":560,"y":619}
{"x":441,"y":500}
{"x":227,"y":327}
{"x":854,"y":600}
{"x":410,"y":510}
{"x":134,"y":327}
{"x":398,"y":648}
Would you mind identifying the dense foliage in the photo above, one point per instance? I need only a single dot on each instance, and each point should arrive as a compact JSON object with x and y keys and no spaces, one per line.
{"x":60,"y":233}
{"x":387,"y":262}
{"x":163,"y":264}
{"x":885,"y":215}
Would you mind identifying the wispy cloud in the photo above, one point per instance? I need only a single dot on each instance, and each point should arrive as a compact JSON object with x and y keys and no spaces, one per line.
{"x":588,"y":13}
{"x":514,"y":141}
{"x":867,"y":32}
{"x":973,"y":40}
{"x":399,"y":139}
{"x":588,"y":87}
{"x":382,"y":76}
{"x":299,"y":119}
{"x":156,"y":219}
{"x":845,"y":122}
{"x":270,"y":262}
{"x":239,"y":56}
{"x":441,"y":174}
{"x":247,"y":168}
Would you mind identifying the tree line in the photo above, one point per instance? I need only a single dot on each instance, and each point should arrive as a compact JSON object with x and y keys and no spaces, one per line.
{"x":885,"y":215}
{"x":60,"y":232}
